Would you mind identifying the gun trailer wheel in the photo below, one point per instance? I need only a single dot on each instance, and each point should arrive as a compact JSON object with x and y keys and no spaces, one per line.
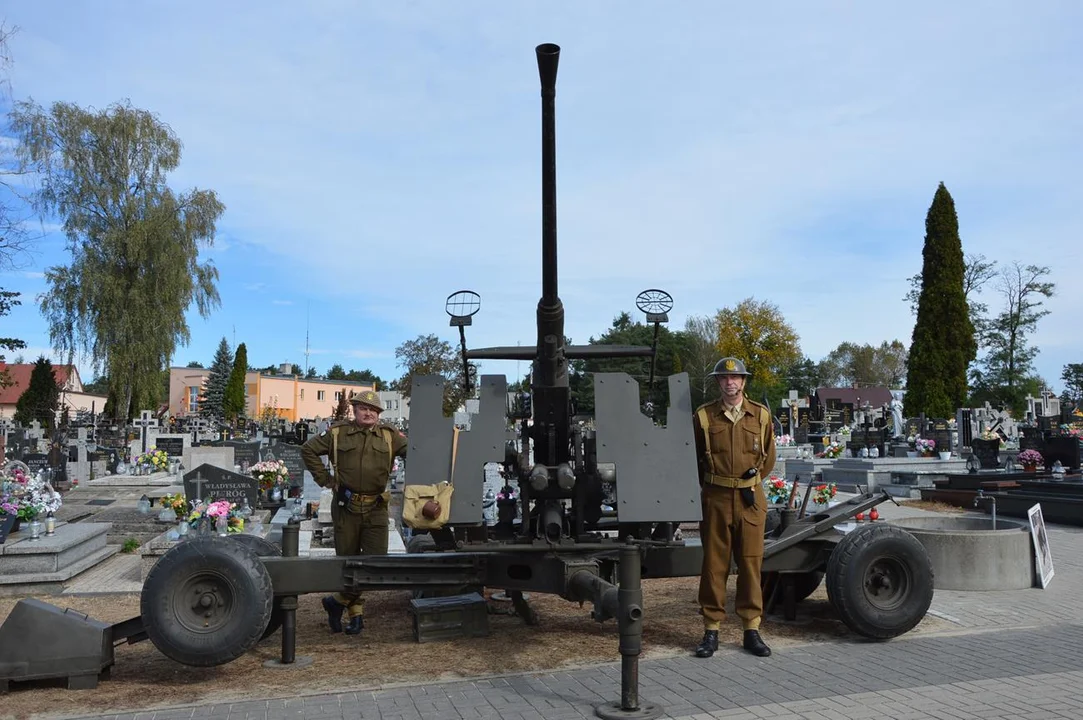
{"x":264,"y":548}
{"x":207,"y":601}
{"x":880,"y":581}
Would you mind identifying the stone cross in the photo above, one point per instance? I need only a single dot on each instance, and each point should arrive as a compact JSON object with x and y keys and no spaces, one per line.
{"x":34,"y":435}
{"x":199,"y":482}
{"x":145,"y":422}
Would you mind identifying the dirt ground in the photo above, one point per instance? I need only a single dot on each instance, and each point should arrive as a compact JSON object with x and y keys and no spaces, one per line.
{"x":931,"y":505}
{"x":386,"y":654}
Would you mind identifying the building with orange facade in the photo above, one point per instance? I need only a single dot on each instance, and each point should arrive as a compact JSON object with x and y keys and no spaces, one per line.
{"x":289,"y":396}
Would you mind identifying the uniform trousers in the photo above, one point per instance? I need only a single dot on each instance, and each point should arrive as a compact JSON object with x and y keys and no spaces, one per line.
{"x":359,"y":533}
{"x":730,"y":528}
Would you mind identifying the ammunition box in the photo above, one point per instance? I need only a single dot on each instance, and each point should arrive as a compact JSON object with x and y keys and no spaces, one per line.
{"x":443,"y":618}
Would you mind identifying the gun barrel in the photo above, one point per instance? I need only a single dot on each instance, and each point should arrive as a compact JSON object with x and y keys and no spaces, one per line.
{"x":548,"y":59}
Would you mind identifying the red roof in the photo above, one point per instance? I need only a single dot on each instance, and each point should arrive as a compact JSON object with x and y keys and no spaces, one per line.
{"x":20,"y":374}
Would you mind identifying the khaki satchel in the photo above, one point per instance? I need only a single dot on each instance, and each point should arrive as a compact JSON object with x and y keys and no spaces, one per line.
{"x":414,"y":501}
{"x":428,"y":507}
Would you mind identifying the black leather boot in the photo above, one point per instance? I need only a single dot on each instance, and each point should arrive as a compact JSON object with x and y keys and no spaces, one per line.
{"x":708,"y":645}
{"x":755,"y":644}
{"x":354,"y":625}
{"x":334,"y":613}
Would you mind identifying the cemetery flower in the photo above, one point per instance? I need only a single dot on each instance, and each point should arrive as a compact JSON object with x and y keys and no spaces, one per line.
{"x":175,"y":502}
{"x":776,"y":489}
{"x":1030,"y":457}
{"x":26,"y":496}
{"x":989,"y":435}
{"x":784,"y":441}
{"x":823,"y":494}
{"x":925,"y":446}
{"x":270,"y":473}
{"x":832,"y":451}
{"x":155,"y":458}
{"x":205,"y":512}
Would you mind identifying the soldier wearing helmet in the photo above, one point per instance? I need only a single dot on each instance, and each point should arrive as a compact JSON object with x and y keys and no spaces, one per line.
{"x":362,"y":452}
{"x":735,"y":444}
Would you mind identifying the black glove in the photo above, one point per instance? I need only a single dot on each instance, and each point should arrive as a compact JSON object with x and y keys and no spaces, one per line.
{"x":748,"y":496}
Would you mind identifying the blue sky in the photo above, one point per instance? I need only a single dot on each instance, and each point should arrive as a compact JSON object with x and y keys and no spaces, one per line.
{"x":375,"y":157}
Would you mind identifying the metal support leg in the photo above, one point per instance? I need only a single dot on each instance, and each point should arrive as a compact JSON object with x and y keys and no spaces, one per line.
{"x":291,"y":533}
{"x":630,"y":626}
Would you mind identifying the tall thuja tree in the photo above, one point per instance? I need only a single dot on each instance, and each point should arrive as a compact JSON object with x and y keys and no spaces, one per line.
{"x":235,"y":389}
{"x":214,"y":392}
{"x":134,"y":242}
{"x":943,"y":343}
{"x":40,"y":399}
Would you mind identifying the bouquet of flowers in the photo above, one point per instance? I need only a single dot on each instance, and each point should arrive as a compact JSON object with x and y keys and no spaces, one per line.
{"x":157,"y":459}
{"x":776,"y":489}
{"x":823,"y":494}
{"x":832,"y":451}
{"x":926,"y":447}
{"x":784,"y":441}
{"x":176,"y":503}
{"x":205,"y":514}
{"x":1030,"y":457}
{"x":989,"y":435}
{"x":270,"y":473}
{"x":26,"y":496}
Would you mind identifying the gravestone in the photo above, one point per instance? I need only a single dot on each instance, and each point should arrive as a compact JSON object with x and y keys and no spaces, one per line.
{"x":940,"y":433}
{"x":173,"y":444}
{"x":36,"y":462}
{"x":145,"y":422}
{"x":245,"y":454}
{"x":208,"y":481}
{"x":987,"y":452}
{"x":291,"y":456}
{"x":1066,"y":448}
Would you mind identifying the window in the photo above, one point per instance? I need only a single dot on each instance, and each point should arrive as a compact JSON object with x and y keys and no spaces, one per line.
{"x":302,"y":393}
{"x":387,"y":405}
{"x":193,"y":399}
{"x":338,"y":395}
{"x":319,"y":394}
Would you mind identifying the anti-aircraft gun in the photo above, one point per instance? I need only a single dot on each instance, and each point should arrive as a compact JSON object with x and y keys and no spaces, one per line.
{"x":564,"y":469}
{"x":209,"y":600}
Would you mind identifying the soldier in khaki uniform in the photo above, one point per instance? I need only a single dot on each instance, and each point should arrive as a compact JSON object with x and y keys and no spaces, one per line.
{"x":362,"y":452}
{"x":735,"y":444}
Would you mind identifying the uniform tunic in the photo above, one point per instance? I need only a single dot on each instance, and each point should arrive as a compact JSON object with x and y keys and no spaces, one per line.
{"x":738,"y":441}
{"x":362,"y":465}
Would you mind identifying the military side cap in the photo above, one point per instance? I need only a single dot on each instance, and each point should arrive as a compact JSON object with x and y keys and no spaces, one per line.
{"x":367,"y":397}
{"x":729,"y":366}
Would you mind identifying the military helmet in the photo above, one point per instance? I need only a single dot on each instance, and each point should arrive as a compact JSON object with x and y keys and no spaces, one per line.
{"x":729,"y":366}
{"x":367,"y":397}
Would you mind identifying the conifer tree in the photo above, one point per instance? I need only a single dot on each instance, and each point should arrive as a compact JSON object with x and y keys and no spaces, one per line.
{"x":342,"y":410}
{"x":40,"y":399}
{"x":213,"y":406}
{"x":235,"y":390}
{"x":943,"y":343}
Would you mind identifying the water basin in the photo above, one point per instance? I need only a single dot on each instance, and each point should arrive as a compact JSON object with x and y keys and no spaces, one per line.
{"x":968,"y":554}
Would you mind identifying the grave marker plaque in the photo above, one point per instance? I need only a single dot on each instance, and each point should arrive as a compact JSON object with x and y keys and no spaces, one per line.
{"x":941,"y":434}
{"x":173,"y":446}
{"x":36,"y":462}
{"x":208,"y":481}
{"x":291,"y":456}
{"x":244,"y":452}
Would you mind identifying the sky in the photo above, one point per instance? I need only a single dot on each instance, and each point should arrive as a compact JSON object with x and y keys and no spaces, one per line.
{"x":375,"y":157}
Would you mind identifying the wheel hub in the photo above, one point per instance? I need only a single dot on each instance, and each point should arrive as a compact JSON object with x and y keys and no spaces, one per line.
{"x":205,"y":603}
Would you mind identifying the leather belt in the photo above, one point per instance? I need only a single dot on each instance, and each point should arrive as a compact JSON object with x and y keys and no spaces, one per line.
{"x":730,"y":482}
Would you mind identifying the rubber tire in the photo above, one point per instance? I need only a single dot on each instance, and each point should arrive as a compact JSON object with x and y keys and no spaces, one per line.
{"x":264,"y":548}
{"x":240,"y":580}
{"x":864,"y":555}
{"x":772,"y":522}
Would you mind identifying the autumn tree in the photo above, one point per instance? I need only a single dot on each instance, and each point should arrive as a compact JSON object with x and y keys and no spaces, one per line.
{"x":41,"y":398}
{"x":236,"y":395}
{"x":757,"y":333}
{"x":1001,"y":376}
{"x":429,"y":355}
{"x":853,"y":365}
{"x":943,"y":342}
{"x":134,"y":242}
